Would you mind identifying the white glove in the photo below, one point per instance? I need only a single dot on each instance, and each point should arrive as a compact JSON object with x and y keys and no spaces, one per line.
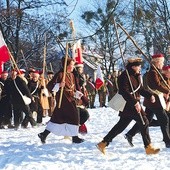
{"x":78,"y":94}
{"x":56,"y":87}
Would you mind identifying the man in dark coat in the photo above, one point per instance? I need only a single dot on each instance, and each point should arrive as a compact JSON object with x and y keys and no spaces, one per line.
{"x":51,"y":96}
{"x":17,"y":101}
{"x":34,"y":86}
{"x":83,"y":102}
{"x":111,"y":83}
{"x":155,"y":84}
{"x":130,"y":87}
{"x":91,"y":89}
{"x":5,"y":105}
{"x":102,"y":92}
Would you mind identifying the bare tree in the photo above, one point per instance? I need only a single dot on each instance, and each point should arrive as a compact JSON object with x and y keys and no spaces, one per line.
{"x":100,"y":19}
{"x":24,"y":23}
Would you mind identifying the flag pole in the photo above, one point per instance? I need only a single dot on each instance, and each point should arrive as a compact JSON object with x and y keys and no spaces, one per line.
{"x":64,"y":76}
{"x":51,"y":67}
{"x":45,"y":54}
{"x":14,"y":64}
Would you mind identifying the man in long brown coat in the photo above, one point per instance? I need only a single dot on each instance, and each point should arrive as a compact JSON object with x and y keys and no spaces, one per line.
{"x":155,"y":84}
{"x":133,"y":109}
{"x":65,"y":119}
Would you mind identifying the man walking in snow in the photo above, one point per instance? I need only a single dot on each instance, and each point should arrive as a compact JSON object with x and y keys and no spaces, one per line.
{"x":130,"y":87}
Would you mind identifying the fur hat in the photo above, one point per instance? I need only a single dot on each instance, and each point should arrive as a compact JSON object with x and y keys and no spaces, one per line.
{"x":68,"y":61}
{"x":50,"y":72}
{"x":134,"y":61}
{"x":36,"y":72}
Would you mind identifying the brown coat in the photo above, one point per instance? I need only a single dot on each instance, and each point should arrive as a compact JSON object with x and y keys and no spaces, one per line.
{"x":67,"y":113}
{"x":154,"y":81}
{"x":125,"y":90}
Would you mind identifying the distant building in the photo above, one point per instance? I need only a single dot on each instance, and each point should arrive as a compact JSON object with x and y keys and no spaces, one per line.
{"x":91,"y":61}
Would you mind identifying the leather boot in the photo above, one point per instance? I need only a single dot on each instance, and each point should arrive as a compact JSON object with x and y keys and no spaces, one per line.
{"x":102,"y":146}
{"x":151,"y":150}
{"x":43,"y":136}
{"x":129,"y":139}
{"x":76,"y":139}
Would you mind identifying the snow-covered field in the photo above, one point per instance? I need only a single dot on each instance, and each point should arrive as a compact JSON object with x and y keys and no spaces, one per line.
{"x":22,"y":149}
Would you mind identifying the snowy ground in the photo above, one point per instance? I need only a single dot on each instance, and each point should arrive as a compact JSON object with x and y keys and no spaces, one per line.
{"x":22,"y":149}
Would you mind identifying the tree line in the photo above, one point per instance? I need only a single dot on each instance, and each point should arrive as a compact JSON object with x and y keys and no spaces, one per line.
{"x":24,"y":24}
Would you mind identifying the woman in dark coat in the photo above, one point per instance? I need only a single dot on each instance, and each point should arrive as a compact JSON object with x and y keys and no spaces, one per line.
{"x":64,"y":120}
{"x":133,"y":109}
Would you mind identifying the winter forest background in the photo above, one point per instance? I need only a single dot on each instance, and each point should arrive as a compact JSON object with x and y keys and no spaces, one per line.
{"x":24,"y":24}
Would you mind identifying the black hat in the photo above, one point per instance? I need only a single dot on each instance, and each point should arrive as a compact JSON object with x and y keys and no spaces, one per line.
{"x":50,"y":72}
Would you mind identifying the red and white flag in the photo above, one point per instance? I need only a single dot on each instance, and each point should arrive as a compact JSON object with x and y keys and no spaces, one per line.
{"x":4,"y":54}
{"x":77,"y":52}
{"x":99,"y":78}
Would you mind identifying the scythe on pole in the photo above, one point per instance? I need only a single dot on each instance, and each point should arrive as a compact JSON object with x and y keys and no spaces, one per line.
{"x":135,"y":44}
{"x":115,"y":25}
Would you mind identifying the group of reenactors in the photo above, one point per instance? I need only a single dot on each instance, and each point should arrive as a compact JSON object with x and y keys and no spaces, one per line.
{"x":156,"y":93}
{"x":105,"y":92}
{"x":13,"y":112}
{"x":42,"y":101}
{"x":79,"y":93}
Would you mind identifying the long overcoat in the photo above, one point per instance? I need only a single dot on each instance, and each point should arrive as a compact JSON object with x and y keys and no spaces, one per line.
{"x":126,"y":91}
{"x":64,"y":120}
{"x":154,"y":82}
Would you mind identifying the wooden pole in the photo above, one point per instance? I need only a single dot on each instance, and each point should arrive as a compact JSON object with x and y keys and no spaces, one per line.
{"x":64,"y":76}
{"x":14,"y":64}
{"x":135,"y":44}
{"x":115,"y":25}
{"x":44,"y":58}
{"x":51,"y":67}
{"x":24,"y":59}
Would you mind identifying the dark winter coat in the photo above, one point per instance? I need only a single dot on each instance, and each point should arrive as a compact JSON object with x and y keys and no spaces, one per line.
{"x":35,"y":90}
{"x":79,"y":82}
{"x":126,"y":91}
{"x":154,"y":81}
{"x":12,"y":91}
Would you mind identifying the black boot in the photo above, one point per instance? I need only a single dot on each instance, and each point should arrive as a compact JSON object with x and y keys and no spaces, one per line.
{"x":129,"y":139}
{"x":32,"y":121}
{"x":76,"y":139}
{"x":43,"y":135}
